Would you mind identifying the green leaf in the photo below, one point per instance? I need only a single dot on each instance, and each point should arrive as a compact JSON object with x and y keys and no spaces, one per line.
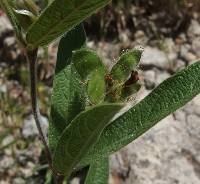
{"x":47,"y":2}
{"x":80,"y":135}
{"x":48,"y":177}
{"x":68,"y":97}
{"x":31,"y":6}
{"x":169,"y":96}
{"x":92,"y":71}
{"x":126,"y":64}
{"x":96,"y":87}
{"x":7,"y":6}
{"x":26,"y":18}
{"x":98,"y":172}
{"x":121,"y":73}
{"x":60,"y":17}
{"x":86,"y":61}
{"x":129,"y":90}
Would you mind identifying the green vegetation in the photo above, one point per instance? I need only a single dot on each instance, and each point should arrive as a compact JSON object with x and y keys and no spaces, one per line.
{"x":87,"y":97}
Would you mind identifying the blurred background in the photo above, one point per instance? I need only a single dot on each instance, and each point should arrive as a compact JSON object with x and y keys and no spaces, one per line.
{"x":169,"y":32}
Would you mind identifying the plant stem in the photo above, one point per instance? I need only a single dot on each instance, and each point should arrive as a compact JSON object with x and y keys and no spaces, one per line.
{"x":32,"y":59}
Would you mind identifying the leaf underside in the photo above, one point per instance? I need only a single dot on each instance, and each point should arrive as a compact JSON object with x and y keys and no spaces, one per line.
{"x":169,"y":96}
{"x":82,"y":133}
{"x":68,"y":98}
{"x":98,"y":172}
{"x":60,"y":17}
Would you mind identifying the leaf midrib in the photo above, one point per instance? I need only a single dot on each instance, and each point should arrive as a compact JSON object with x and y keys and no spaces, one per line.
{"x":54,"y":27}
{"x":85,"y":146}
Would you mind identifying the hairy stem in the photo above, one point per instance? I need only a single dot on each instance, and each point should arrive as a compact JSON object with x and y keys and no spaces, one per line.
{"x":32,"y":59}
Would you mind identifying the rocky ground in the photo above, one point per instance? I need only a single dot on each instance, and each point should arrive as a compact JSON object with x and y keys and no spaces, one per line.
{"x":167,"y":154}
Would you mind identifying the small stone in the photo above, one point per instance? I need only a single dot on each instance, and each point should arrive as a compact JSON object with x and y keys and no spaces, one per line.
{"x":18,"y":181}
{"x":178,"y":65}
{"x":11,"y":48}
{"x":150,"y":79}
{"x":191,"y":56}
{"x":26,"y":172}
{"x":194,"y":128}
{"x":3,"y":88}
{"x":6,"y":163}
{"x":180,"y":116}
{"x":196,"y":101}
{"x":124,"y":36}
{"x":184,"y":49}
{"x":161,"y":76}
{"x":155,"y":57}
{"x":193,"y":107}
{"x":22,"y":159}
{"x":196,"y":46}
{"x":75,"y":181}
{"x":5,"y":26}
{"x":140,"y":38}
{"x":29,"y":129}
{"x":139,"y":34}
{"x":9,"y":42}
{"x":7,"y":140}
{"x":194,"y":29}
{"x":119,"y":164}
{"x":171,"y":49}
{"x":90,"y":44}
